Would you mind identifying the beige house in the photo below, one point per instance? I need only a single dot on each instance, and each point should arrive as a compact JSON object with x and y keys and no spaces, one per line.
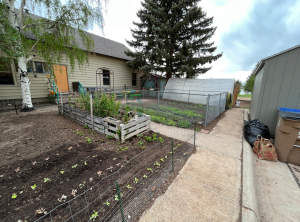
{"x":108,"y":53}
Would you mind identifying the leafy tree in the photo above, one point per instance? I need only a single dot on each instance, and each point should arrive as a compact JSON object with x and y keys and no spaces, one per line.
{"x":59,"y":34}
{"x":9,"y":38}
{"x":249,"y":85}
{"x":172,"y":38}
{"x":238,"y":82}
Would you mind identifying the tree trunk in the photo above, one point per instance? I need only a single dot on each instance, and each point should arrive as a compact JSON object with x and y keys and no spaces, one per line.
{"x":169,"y":73}
{"x":22,"y":61}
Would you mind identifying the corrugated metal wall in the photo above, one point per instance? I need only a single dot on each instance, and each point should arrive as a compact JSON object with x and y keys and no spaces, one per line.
{"x":280,"y":87}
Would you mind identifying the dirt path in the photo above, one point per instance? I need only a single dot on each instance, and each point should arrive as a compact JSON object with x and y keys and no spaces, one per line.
{"x":208,"y":188}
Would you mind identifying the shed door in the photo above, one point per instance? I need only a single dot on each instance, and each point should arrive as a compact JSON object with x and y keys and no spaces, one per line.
{"x":61,"y":78}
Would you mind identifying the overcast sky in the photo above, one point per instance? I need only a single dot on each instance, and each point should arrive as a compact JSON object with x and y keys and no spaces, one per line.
{"x":247,"y":31}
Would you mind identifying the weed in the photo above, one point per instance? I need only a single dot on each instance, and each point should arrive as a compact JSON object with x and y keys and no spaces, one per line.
{"x":110,"y":137}
{"x":154,"y":137}
{"x":162,"y":159}
{"x":75,"y":166}
{"x":85,"y":163}
{"x":94,"y":216}
{"x":139,"y":135}
{"x":86,"y":126}
{"x":74,"y":191}
{"x":46,"y":179}
{"x":14,"y":196}
{"x":160,"y":139}
{"x":33,"y":187}
{"x":126,"y":148}
{"x":143,"y":147}
{"x":94,"y":156}
{"x":128,"y":186}
{"x":136,"y":180}
{"x":62,"y":172}
{"x":149,"y":169}
{"x":145,"y":176}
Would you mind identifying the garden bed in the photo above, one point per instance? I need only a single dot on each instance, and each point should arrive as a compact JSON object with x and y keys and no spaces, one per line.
{"x":108,"y":125}
{"x":56,"y":163}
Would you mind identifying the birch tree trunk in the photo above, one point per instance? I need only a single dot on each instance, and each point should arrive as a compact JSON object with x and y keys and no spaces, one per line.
{"x":15,"y":20}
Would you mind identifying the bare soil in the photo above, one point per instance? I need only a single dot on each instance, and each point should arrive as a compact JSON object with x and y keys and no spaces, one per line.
{"x":43,"y":145}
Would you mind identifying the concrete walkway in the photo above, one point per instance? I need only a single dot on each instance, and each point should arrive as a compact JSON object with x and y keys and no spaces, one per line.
{"x":208,"y":188}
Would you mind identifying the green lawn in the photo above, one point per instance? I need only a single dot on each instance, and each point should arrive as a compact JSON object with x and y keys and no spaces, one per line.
{"x":249,"y":95}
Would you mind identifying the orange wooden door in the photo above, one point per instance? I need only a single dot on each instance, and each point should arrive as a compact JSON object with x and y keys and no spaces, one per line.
{"x":61,"y":78}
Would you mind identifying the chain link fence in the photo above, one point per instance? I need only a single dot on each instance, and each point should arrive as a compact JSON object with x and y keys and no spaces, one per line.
{"x":127,"y":192}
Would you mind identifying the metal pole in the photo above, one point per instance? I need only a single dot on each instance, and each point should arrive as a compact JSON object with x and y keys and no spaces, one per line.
{"x":157,"y":100}
{"x":92,"y":117}
{"x":62,"y":110}
{"x":207,"y":107}
{"x":172,"y":157}
{"x":126,"y":93}
{"x":195,"y":133}
{"x":120,"y":201}
{"x":189,"y":95}
{"x":16,"y":108}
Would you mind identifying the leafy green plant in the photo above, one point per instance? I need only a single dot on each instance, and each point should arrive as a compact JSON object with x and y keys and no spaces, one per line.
{"x":51,"y":98}
{"x":33,"y":187}
{"x":46,"y":179}
{"x":14,"y":196}
{"x":94,"y":216}
{"x":140,"y":143}
{"x":139,"y":135}
{"x":154,"y":137}
{"x":160,"y":139}
{"x":162,"y":159}
{"x":143,"y":147}
{"x":148,"y":139}
{"x":156,"y":164}
{"x":88,"y":140}
{"x":136,"y":180}
{"x":110,"y":137}
{"x":145,"y":176}
{"x":80,"y":133}
{"x":86,"y":126}
{"x":128,"y":186}
{"x":149,"y":169}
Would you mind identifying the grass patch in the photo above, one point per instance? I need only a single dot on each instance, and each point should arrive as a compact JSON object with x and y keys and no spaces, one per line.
{"x":246,"y":95}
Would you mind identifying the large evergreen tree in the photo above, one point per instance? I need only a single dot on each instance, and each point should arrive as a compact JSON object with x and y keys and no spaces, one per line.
{"x":172,"y":39}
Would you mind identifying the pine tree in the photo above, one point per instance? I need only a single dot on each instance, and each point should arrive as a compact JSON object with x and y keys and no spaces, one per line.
{"x":172,"y":39}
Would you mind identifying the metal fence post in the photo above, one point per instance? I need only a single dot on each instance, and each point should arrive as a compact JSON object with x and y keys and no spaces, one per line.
{"x":157,"y":100}
{"x":120,"y":201}
{"x":62,"y":110}
{"x":172,"y":156}
{"x":195,"y":133}
{"x":189,"y":95}
{"x":16,"y":108}
{"x":126,"y":94}
{"x":207,"y":107}
{"x":92,"y":117}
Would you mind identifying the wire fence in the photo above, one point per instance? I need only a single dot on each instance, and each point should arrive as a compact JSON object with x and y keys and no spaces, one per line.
{"x":181,"y":109}
{"x":127,"y":192}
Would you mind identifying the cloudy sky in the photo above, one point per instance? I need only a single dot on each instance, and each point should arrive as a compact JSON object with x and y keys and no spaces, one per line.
{"x":247,"y":30}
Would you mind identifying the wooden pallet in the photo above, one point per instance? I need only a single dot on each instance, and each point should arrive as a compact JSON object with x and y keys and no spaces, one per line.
{"x":109,"y":126}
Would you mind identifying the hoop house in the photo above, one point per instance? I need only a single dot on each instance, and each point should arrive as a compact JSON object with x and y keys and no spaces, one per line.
{"x":196,"y":90}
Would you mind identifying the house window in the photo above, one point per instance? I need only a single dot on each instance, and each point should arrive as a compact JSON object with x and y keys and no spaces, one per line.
{"x":133,"y":79}
{"x":106,"y":78}
{"x":29,"y":66}
{"x":42,"y":67}
{"x":6,"y":74}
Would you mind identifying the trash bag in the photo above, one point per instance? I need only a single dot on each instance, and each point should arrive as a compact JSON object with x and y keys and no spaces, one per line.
{"x":253,"y":128}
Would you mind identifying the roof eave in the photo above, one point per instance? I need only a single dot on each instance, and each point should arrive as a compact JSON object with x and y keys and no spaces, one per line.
{"x":259,"y":67}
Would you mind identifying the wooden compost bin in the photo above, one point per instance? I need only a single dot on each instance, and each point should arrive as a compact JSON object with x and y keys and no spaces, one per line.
{"x":108,"y":125}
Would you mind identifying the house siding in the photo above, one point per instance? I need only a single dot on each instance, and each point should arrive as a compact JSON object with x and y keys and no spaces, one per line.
{"x":85,"y":75}
{"x":279,"y":87}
